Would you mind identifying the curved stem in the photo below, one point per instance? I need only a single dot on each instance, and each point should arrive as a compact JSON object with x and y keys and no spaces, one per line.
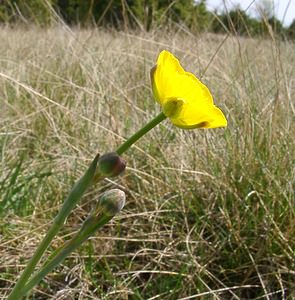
{"x":136,"y":136}
{"x":85,"y":232}
{"x":75,"y":194}
{"x":33,"y":262}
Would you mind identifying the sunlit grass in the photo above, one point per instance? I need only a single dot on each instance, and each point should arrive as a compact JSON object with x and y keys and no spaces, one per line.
{"x":208,"y":213}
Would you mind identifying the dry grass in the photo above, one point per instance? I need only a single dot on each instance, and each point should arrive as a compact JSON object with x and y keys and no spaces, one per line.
{"x":209,"y":214}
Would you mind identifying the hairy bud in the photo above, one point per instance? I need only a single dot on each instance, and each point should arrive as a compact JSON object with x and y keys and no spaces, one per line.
{"x":112,"y":201}
{"x":111,"y":164}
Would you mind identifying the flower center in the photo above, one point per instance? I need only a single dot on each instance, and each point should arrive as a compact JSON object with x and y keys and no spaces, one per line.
{"x":172,"y":107}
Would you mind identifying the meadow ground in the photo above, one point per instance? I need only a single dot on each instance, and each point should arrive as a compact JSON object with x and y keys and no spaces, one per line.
{"x":209,"y":214}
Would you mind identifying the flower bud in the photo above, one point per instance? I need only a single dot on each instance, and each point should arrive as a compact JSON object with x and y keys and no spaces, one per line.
{"x":111,"y":164}
{"x":112,"y":201}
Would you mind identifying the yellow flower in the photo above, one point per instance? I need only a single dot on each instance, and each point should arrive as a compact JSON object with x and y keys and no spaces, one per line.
{"x":185,"y":100}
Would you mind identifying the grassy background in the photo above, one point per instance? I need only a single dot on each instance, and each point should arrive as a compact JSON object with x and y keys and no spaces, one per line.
{"x":209,"y":213}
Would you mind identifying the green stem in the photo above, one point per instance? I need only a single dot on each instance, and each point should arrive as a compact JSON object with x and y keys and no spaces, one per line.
{"x":86,"y":231}
{"x":137,"y":135}
{"x":75,"y":194}
{"x":33,"y":261}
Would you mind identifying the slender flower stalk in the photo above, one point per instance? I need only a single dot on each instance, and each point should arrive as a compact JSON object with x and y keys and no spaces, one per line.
{"x":57,"y":259}
{"x":75,"y":194}
{"x":91,"y":175}
{"x":136,"y":136}
{"x":111,"y":203}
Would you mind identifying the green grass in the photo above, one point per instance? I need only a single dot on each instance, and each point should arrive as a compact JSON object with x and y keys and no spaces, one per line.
{"x":209,"y":213}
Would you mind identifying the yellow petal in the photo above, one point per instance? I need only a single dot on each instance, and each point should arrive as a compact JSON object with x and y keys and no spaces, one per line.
{"x":169,"y":80}
{"x":169,"y":61}
{"x":163,"y":76}
{"x":154,"y":87}
{"x":188,"y":87}
{"x":193,"y":116}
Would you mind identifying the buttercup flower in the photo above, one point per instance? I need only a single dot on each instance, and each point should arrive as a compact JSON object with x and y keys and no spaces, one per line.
{"x":185,"y":100}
